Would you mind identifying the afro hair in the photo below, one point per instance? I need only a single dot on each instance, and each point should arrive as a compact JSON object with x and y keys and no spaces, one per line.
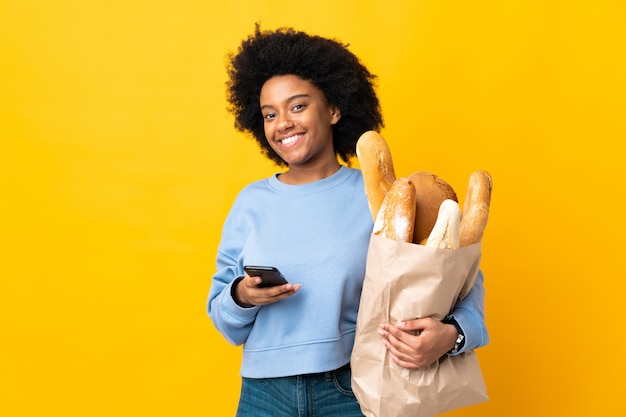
{"x":326,"y":63}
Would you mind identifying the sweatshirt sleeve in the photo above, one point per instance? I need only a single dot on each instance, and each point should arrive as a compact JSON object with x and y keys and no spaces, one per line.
{"x":231,"y":320}
{"x":470,"y":315}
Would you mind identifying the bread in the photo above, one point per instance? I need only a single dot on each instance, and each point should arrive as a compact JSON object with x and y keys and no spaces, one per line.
{"x":475,"y":208}
{"x":396,"y":216}
{"x":428,"y":192}
{"x":431,"y":191}
{"x":377,"y":167}
{"x":445,"y":233}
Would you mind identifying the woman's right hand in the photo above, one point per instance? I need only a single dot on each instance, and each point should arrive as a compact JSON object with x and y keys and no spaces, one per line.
{"x":248,"y":294}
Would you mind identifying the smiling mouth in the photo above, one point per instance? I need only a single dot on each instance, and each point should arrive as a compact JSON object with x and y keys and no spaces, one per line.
{"x":291,"y":139}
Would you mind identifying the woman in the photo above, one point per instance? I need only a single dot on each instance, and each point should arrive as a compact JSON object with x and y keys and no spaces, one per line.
{"x":306,"y":100}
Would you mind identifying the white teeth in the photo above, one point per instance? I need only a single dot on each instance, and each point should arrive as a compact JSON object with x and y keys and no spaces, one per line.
{"x":290,"y":139}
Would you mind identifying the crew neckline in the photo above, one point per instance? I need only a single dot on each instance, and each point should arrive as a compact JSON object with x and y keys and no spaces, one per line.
{"x":342,"y":174}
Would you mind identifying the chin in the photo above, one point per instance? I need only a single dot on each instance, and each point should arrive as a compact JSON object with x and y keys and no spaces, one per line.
{"x":295,"y":160}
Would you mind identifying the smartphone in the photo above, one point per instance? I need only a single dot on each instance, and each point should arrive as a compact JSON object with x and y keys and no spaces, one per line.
{"x":270,"y":275}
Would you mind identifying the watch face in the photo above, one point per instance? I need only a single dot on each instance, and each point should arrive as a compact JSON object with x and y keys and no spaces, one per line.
{"x":458,"y":343}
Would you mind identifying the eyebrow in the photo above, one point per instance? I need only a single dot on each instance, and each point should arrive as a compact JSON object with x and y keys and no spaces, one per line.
{"x":292,"y":98}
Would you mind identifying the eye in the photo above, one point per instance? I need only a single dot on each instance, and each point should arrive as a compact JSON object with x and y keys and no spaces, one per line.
{"x":269,"y":116}
{"x":298,"y":107}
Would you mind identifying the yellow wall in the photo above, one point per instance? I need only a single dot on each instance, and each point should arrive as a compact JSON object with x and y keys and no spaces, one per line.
{"x":118,"y":163}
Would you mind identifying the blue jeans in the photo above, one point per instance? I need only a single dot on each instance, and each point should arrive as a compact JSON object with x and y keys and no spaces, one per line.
{"x":327,"y":394}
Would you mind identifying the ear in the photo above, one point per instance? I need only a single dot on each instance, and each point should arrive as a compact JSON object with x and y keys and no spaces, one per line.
{"x":335,"y":114}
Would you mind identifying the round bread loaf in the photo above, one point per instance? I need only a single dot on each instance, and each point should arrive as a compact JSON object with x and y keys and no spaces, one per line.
{"x":430,"y":192}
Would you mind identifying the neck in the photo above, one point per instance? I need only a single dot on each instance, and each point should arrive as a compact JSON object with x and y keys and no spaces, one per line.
{"x":300,"y":175}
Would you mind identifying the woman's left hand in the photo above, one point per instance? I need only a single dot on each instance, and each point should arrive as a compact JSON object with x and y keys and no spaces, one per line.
{"x":418,"y":343}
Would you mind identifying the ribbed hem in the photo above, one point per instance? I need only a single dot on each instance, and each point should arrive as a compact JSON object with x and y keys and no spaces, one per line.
{"x":298,"y":359}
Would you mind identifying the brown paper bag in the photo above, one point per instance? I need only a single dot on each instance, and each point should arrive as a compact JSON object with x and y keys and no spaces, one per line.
{"x":404,"y":281}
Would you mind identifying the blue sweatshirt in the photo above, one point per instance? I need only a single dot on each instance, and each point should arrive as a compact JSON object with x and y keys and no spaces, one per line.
{"x":317,"y":234}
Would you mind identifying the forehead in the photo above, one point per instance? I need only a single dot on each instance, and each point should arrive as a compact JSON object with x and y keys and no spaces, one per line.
{"x":284,"y":87}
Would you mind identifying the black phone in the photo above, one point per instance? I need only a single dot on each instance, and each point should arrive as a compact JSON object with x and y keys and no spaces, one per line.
{"x":270,"y":275}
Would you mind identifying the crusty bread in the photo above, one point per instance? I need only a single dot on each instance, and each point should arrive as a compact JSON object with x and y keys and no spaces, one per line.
{"x":397,"y":212}
{"x":445,"y":233}
{"x":428,"y":192}
{"x":377,"y":167}
{"x":475,"y":208}
{"x":431,"y":191}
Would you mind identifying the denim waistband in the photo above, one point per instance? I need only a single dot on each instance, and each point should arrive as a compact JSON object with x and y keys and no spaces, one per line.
{"x":329,"y":374}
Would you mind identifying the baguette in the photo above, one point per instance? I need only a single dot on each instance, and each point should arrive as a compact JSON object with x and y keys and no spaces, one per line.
{"x":431,"y":191}
{"x":445,"y":233}
{"x":475,"y":208}
{"x":377,"y":167}
{"x":396,"y":216}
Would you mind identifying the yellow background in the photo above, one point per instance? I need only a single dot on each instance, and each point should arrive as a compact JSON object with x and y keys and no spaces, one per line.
{"x":118,"y":163}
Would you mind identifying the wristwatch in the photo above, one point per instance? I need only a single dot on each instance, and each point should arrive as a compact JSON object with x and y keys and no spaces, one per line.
{"x":458,"y":344}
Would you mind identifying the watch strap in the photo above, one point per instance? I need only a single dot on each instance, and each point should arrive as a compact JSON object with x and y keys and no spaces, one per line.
{"x":459,"y":342}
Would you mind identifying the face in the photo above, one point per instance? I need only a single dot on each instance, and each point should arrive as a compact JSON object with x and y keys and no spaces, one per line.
{"x":298,"y":120}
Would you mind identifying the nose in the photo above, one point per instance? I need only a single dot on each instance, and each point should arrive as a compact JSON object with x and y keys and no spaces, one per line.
{"x":284,"y":122}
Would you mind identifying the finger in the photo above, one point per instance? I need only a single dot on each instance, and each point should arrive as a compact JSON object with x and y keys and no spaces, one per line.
{"x":284,"y":293}
{"x":400,"y":346}
{"x":270,"y":295}
{"x":283,"y":288}
{"x":414,"y":324}
{"x":406,"y":356}
{"x":252,"y":282}
{"x":279,"y":290}
{"x":399,"y":334}
{"x":395,"y":347}
{"x":400,"y":357}
{"x":404,"y":364}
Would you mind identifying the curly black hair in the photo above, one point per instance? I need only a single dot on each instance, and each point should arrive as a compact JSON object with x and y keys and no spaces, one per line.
{"x":326,"y":63}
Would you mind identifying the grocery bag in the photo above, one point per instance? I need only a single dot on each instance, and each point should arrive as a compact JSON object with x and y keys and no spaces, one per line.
{"x":405,"y":281}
